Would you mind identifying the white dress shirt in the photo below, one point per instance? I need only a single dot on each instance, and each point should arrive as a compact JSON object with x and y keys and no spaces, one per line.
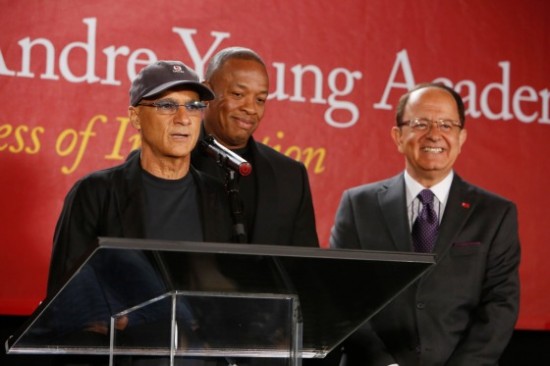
{"x":440,"y":190}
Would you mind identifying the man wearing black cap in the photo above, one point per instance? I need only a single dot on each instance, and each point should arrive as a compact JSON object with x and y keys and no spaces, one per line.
{"x":151,"y":195}
{"x":154,"y":194}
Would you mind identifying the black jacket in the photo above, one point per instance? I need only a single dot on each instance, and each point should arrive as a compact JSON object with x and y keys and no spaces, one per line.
{"x":110,"y":203}
{"x":284,"y":206}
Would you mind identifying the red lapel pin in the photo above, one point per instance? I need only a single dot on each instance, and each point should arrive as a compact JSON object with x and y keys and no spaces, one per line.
{"x":465,"y":204}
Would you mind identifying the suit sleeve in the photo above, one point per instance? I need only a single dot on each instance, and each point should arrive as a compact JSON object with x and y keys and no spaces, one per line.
{"x":364,"y":344}
{"x":344,"y":231}
{"x":497,"y":312}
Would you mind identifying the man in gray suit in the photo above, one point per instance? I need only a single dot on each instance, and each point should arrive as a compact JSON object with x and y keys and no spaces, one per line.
{"x":464,"y":310}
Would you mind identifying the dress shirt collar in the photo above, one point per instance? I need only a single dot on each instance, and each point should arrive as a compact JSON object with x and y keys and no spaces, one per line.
{"x":440,"y":190}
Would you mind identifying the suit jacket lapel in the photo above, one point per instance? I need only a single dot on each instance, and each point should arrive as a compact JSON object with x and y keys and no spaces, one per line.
{"x":460,"y":205}
{"x":393,"y":204}
{"x":267,"y":206}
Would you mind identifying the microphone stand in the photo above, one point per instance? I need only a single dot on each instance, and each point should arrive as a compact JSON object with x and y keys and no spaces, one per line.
{"x":236,"y":206}
{"x":239,"y":228}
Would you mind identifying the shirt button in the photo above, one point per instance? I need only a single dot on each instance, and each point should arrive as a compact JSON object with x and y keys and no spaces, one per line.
{"x":420,"y":305}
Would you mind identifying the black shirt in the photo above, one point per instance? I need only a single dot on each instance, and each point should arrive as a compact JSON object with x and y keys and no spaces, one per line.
{"x":172,"y":208}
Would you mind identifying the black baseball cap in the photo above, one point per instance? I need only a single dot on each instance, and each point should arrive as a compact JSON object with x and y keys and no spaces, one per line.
{"x":163,"y":75}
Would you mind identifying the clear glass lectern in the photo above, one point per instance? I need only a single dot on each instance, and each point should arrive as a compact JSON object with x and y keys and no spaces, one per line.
{"x":185,"y":300}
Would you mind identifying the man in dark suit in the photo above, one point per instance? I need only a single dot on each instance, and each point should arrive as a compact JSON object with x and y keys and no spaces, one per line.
{"x":463,"y":311}
{"x":276,"y":197}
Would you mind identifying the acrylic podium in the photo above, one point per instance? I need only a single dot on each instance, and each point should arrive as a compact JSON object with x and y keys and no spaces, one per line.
{"x":180,"y":301}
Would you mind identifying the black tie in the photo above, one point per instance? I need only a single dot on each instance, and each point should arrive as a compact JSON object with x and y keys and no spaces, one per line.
{"x":425,"y":227}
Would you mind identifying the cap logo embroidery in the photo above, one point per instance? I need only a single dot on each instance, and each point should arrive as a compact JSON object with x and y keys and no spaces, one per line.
{"x":178,"y":69}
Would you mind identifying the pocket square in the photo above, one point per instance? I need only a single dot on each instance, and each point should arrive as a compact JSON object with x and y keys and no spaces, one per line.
{"x":466,"y":248}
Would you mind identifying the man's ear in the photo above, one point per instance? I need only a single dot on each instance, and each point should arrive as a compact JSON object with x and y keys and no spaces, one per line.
{"x":134,"y":118}
{"x":397,"y":136}
{"x":462,"y":138}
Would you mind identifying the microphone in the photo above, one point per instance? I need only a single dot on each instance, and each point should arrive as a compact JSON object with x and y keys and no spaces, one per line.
{"x":225,"y":158}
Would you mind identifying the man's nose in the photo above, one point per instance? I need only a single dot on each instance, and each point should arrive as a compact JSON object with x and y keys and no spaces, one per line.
{"x":183,"y":115}
{"x":250,"y":105}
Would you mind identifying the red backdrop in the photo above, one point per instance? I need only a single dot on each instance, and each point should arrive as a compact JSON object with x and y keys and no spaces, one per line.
{"x":337,"y":70}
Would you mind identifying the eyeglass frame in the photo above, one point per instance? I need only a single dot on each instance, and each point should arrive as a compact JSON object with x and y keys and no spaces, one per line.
{"x":441,"y":122}
{"x":193,"y":108}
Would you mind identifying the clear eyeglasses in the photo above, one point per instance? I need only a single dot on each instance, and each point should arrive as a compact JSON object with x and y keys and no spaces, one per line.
{"x":424,"y":124}
{"x":194,"y":108}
